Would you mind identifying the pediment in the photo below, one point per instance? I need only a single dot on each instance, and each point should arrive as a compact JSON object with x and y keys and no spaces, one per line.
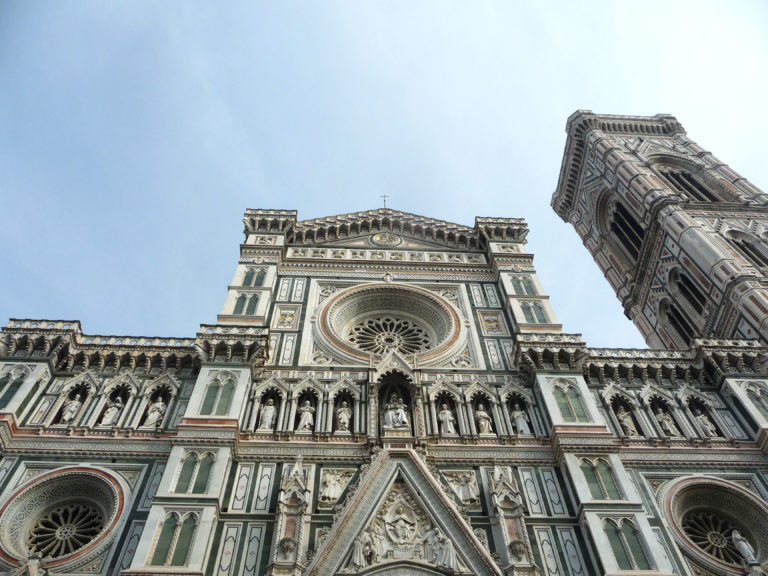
{"x":400,"y":518}
{"x":368,"y":241}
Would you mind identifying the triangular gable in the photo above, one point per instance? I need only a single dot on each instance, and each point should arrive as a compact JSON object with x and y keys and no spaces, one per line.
{"x":400,"y":517}
{"x":393,"y":360}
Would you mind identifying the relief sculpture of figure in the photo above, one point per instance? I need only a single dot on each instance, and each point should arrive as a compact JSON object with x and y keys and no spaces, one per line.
{"x":268,"y":415}
{"x":626,"y":421}
{"x":306,"y":418}
{"x":112,"y":413}
{"x":447,"y":421}
{"x":395,"y":415}
{"x":705,"y":423}
{"x":483,"y":420}
{"x":71,"y":408}
{"x":667,"y":423}
{"x":343,"y":417}
{"x":520,"y":420}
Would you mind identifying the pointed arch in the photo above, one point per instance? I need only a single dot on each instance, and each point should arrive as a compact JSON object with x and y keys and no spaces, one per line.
{"x":240,"y":304}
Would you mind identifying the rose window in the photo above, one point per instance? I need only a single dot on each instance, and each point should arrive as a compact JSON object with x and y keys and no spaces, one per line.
{"x":383,"y":333}
{"x":65,"y":530}
{"x":712,"y":534}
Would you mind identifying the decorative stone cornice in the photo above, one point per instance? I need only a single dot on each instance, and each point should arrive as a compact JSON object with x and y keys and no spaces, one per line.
{"x":233,"y":344}
{"x":63,"y":343}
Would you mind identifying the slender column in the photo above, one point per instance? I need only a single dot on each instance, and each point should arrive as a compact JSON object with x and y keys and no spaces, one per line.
{"x":433,"y":415}
{"x":254,"y":413}
{"x":463,"y":428}
{"x":280,"y":415}
{"x":504,"y":408}
{"x":357,"y":425}
{"x":497,"y":419}
{"x":329,"y":400}
{"x":470,"y":417}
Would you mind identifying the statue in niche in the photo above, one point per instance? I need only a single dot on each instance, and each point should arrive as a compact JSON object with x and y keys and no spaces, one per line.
{"x":520,"y":420}
{"x":705,"y":423}
{"x":268,"y":416}
{"x":666,"y":422}
{"x":395,"y":415}
{"x":401,"y":526}
{"x":627,"y":423}
{"x":71,"y":408}
{"x":447,"y":421}
{"x":483,"y":420}
{"x":379,"y":540}
{"x":155,"y":413}
{"x":343,"y":417}
{"x":465,"y":486}
{"x":306,"y":417}
{"x":112,"y":413}
{"x":744,"y":547}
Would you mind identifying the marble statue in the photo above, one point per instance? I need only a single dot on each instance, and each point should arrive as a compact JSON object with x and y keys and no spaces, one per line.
{"x":626,"y":421}
{"x":744,"y":547}
{"x":268,"y":416}
{"x":111,"y":414}
{"x":71,"y":408}
{"x":343,"y":417}
{"x":447,"y":421}
{"x":306,"y":417}
{"x":395,"y":415}
{"x":520,"y":420}
{"x":667,"y":422}
{"x":483,"y":420}
{"x":705,"y":423}
{"x":155,"y":414}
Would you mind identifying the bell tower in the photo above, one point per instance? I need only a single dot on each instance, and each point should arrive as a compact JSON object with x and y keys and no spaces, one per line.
{"x":682,"y":238}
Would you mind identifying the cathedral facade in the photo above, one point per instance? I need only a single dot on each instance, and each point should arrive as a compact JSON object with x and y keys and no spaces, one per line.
{"x":386,"y":393}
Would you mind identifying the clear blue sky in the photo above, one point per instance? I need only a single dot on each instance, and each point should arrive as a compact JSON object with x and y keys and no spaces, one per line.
{"x":133,"y":135}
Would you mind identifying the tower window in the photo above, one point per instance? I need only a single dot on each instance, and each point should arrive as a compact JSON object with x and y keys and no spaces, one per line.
{"x":522,"y":285}
{"x":599,"y":475}
{"x":533,"y":313}
{"x":626,"y":545}
{"x":570,"y":404}
{"x":627,"y":230}
{"x":753,"y":249}
{"x":691,"y":293}
{"x":174,"y":541}
{"x":685,"y":183}
{"x":680,"y":324}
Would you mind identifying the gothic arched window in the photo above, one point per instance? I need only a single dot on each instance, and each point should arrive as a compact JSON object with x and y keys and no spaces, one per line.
{"x":252,"y":301}
{"x":240,"y":304}
{"x":533,"y":313}
{"x":625,"y":542}
{"x":690,"y":292}
{"x":753,"y":248}
{"x":194,"y":474}
{"x":687,"y":184}
{"x":522,"y":285}
{"x":600,"y":480}
{"x":570,"y":404}
{"x":260,"y":276}
{"x":174,"y":541}
{"x":682,"y":328}
{"x":627,"y":230}
{"x":760,"y":399}
{"x":218,"y":397}
{"x":11,"y":386}
{"x":248,"y":280}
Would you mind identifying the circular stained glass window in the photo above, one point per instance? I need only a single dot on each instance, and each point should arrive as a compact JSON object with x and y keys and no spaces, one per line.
{"x":65,"y":530}
{"x":712,"y":534}
{"x":384,"y":333}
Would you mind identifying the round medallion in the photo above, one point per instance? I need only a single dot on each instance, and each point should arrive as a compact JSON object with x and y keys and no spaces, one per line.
{"x":65,"y":530}
{"x":386,"y":239}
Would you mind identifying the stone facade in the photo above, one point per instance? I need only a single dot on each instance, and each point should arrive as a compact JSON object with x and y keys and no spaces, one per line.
{"x":385,"y":393}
